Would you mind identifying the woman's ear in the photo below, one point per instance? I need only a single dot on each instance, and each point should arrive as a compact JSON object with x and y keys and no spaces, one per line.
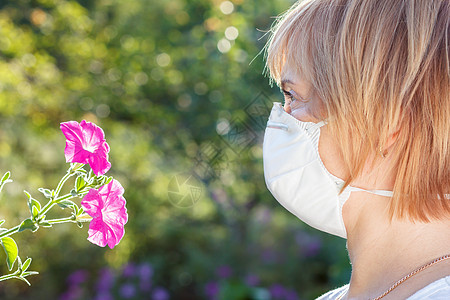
{"x":391,"y":140}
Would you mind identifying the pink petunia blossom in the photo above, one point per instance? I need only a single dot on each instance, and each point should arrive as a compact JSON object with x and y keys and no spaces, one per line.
{"x":85,"y":144}
{"x":107,"y":208}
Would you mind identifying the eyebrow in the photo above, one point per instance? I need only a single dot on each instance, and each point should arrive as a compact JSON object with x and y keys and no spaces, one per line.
{"x":284,"y":82}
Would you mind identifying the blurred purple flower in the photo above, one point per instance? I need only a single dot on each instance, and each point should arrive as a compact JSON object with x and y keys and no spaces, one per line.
{"x":104,"y":296}
{"x":129,"y":270}
{"x":251,"y":280}
{"x":277,"y":291}
{"x":160,"y":293}
{"x":268,"y":255}
{"x":211,"y":289}
{"x":127,"y":291}
{"x":145,"y":285}
{"x":313,"y":248}
{"x":72,"y":293}
{"x":290,"y":295}
{"x":224,"y":271}
{"x":77,"y":277}
{"x":145,"y":271}
{"x":105,"y":281}
{"x":310,"y":245}
{"x":145,"y":275}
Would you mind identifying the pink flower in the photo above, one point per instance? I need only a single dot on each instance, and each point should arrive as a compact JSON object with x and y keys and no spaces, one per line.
{"x":86,"y":144}
{"x":107,"y":208}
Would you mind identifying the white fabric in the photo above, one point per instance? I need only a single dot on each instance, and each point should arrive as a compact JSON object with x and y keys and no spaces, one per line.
{"x":437,"y":290}
{"x":296,"y":176}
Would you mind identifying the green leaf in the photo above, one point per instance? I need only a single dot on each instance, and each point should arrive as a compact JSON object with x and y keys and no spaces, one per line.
{"x":5,"y":179}
{"x":81,"y":172}
{"x":19,"y":263}
{"x":35,"y":212}
{"x":25,"y":274}
{"x":28,"y":273}
{"x":1,"y":222}
{"x":47,"y":193}
{"x":28,"y":194}
{"x":11,"y":250}
{"x":28,"y":224}
{"x":26,"y":264}
{"x":79,"y":224}
{"x":45,"y":224}
{"x":66,"y":204}
{"x":80,"y":183}
{"x":73,"y":193}
{"x":32,"y":203}
{"x":6,"y":176}
{"x":80,"y":211}
{"x":109,"y":180}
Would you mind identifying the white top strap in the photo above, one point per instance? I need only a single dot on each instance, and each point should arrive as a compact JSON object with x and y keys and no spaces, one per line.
{"x":384,"y":193}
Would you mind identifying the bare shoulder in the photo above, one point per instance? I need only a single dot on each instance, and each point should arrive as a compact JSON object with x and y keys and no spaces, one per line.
{"x":429,"y":283}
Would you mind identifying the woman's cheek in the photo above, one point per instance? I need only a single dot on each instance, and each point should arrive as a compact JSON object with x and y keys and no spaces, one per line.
{"x":302,"y":114}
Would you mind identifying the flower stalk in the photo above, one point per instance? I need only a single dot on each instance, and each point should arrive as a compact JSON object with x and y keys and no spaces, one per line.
{"x":101,"y":196}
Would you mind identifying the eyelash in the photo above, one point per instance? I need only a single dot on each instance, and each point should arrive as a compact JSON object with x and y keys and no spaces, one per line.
{"x":289,"y":95}
{"x":292,"y":98}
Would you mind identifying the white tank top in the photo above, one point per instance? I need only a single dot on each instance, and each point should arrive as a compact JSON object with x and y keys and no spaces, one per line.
{"x":437,"y":290}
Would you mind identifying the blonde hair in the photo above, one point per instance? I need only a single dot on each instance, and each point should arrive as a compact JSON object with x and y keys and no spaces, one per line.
{"x":379,"y":67}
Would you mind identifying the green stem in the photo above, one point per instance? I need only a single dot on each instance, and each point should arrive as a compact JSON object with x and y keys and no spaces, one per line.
{"x":62,"y":181}
{"x":10,"y":231}
{"x":62,"y":220}
{"x":45,"y":209}
{"x":9,"y":276}
{"x":52,"y":202}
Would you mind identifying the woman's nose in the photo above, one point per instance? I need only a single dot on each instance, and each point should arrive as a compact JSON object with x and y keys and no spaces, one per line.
{"x":287,"y":107}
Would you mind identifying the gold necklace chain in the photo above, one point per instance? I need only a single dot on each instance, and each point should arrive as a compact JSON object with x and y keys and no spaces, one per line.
{"x":408,"y":276}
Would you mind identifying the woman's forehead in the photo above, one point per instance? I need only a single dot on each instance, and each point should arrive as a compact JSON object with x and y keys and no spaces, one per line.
{"x":290,"y":77}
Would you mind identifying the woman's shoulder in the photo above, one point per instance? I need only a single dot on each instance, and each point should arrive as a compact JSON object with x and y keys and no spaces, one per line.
{"x":437,"y":290}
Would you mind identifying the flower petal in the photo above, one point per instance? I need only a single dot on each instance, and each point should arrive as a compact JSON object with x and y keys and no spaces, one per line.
{"x":115,"y":211}
{"x":74,"y":151}
{"x":93,"y":136}
{"x":116,"y":233}
{"x":107,"y":207}
{"x":99,"y":160}
{"x":112,"y":190}
{"x":92,"y":203}
{"x":98,"y":232}
{"x":85,"y":143}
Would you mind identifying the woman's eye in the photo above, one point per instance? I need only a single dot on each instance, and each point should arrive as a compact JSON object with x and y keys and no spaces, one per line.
{"x":289,"y":95}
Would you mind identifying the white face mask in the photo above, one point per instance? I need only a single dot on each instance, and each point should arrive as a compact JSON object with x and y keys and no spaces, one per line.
{"x":297,"y":177}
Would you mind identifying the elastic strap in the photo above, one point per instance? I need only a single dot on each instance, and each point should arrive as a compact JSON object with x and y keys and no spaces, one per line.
{"x":277,"y":125}
{"x":376,"y":192}
{"x":321,"y":123}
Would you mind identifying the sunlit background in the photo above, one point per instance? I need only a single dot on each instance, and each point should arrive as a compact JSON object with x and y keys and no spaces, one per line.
{"x":178,"y":88}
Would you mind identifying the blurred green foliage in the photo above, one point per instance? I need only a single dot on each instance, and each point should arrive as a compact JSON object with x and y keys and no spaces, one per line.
{"x":163,"y":79}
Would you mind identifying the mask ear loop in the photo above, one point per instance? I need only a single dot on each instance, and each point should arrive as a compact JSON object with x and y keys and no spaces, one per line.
{"x":319,"y":124}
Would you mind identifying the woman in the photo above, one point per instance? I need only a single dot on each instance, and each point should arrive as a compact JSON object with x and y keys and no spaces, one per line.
{"x":361,"y":148}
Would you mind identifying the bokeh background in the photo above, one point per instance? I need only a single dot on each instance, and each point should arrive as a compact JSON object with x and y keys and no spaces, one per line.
{"x":179,"y":89}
